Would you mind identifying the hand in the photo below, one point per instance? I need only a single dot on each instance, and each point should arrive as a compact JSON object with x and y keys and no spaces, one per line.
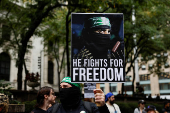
{"x":99,"y":97}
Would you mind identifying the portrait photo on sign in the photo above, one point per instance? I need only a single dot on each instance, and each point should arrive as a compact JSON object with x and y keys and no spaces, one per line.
{"x":97,"y":48}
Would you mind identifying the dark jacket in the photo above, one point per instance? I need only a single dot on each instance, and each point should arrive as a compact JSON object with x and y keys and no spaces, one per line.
{"x":80,"y":108}
{"x":38,"y":110}
{"x":165,"y":110}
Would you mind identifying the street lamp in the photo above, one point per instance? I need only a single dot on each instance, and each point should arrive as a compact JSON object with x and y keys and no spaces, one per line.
{"x":39,"y":67}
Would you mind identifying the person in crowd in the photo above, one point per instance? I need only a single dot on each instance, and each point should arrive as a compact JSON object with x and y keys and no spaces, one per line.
{"x":158,"y":96}
{"x":119,"y":94}
{"x":149,"y":97}
{"x":109,"y":99}
{"x":141,"y":107}
{"x":70,"y":98}
{"x":45,"y":98}
{"x":166,"y":108}
{"x":151,"y":109}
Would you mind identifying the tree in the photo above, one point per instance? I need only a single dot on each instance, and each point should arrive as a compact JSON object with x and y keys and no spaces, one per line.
{"x":13,"y":28}
{"x":60,"y":25}
{"x":151,"y":23}
{"x":54,"y":38}
{"x":29,"y":19}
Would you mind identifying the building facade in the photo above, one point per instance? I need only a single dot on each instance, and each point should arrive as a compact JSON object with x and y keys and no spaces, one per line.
{"x":35,"y":58}
{"x":153,"y":83}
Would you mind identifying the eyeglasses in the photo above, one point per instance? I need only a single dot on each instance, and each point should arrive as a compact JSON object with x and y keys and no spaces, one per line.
{"x":142,"y":103}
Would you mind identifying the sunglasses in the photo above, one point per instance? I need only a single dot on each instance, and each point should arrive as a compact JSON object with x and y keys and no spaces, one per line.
{"x":142,"y":103}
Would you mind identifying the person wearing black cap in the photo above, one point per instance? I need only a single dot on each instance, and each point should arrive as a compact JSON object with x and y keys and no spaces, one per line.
{"x":70,"y":98}
{"x":151,"y":109}
{"x":141,"y":107}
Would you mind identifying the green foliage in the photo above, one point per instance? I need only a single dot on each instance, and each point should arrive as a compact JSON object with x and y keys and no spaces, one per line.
{"x":125,"y":108}
{"x":5,"y":87}
{"x":150,"y":26}
{"x":54,"y":34}
{"x":25,"y":24}
{"x":132,"y":106}
{"x":14,"y":102}
{"x":29,"y":105}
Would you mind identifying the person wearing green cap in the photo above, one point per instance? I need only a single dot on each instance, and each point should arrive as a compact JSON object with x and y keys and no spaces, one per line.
{"x":97,"y":41}
{"x":70,"y":98}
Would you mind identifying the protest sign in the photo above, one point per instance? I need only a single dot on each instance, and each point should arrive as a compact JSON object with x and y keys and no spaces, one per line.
{"x":88,"y":90}
{"x":97,"y":48}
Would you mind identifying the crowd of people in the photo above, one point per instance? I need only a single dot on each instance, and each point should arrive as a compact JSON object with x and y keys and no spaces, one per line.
{"x":150,"y":108}
{"x":70,"y":98}
{"x":71,"y":101}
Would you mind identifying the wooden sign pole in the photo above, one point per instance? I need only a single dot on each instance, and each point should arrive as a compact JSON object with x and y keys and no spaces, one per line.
{"x":98,"y":87}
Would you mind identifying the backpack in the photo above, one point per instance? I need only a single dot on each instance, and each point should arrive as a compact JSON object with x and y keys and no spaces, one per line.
{"x":86,"y":105}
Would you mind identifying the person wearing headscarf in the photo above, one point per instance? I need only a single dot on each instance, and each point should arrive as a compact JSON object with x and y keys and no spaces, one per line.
{"x":70,"y":98}
{"x":109,"y":99}
{"x":97,"y":41}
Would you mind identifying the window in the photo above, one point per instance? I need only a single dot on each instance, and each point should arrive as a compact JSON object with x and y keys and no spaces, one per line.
{"x":166,"y":65}
{"x":158,"y":55}
{"x":143,"y":67}
{"x":164,"y":75}
{"x":144,"y":77}
{"x":113,"y":88}
{"x":128,"y":88}
{"x":4,"y":66}
{"x":146,"y":87}
{"x":50,"y":72}
{"x":102,"y":87}
{"x":150,"y":66}
{"x":159,"y":58}
{"x":150,"y":57}
{"x":165,"y":54}
{"x":128,"y":78}
{"x":164,"y":86}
